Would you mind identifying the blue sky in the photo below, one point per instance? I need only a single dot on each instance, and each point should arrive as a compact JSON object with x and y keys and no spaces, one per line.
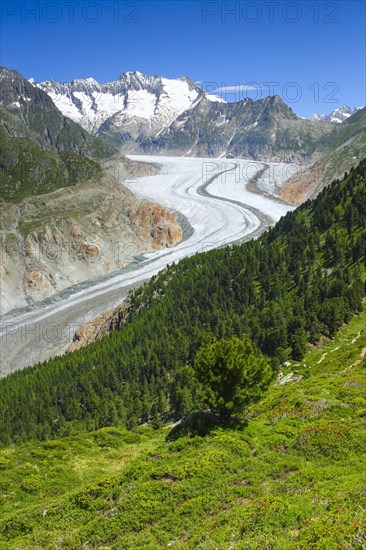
{"x":310,"y":53}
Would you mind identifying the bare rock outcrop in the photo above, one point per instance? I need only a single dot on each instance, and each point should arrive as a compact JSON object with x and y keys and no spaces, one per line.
{"x":157,"y":223}
{"x":99,"y":327}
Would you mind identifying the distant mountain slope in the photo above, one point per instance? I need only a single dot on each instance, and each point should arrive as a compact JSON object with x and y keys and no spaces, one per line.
{"x":266,"y":129}
{"x":344,"y":133}
{"x":37,"y":111}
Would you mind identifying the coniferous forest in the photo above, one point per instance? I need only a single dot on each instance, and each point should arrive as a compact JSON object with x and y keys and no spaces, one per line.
{"x":301,"y":279}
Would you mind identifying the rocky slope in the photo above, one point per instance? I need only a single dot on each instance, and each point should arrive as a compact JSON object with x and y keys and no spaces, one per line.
{"x":99,"y":327}
{"x":53,"y":241}
{"x":265,"y":129}
{"x":37,"y":118}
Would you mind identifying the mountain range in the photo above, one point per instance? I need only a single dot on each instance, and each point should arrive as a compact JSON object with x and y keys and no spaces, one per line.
{"x":151,"y":114}
{"x":138,"y":103}
{"x":339,"y":115}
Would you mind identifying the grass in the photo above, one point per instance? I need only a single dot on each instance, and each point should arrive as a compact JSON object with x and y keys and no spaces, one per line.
{"x":290,"y":477}
{"x":43,"y":473}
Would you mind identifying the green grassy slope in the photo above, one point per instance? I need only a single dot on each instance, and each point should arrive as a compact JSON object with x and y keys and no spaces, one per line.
{"x":292,"y":477}
{"x":26,"y":169}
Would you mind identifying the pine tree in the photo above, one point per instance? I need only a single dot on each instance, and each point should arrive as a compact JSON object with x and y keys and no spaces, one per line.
{"x":233,"y":375}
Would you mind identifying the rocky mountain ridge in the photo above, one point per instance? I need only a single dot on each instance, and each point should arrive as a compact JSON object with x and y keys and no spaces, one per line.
{"x":39,"y":119}
{"x":265,"y":129}
{"x":41,"y":149}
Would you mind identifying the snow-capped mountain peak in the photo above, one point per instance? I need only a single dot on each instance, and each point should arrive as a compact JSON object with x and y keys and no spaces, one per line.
{"x":338,"y":115}
{"x":139,"y":102}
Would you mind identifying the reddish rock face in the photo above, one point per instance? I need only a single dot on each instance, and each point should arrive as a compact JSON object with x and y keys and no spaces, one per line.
{"x":66,"y":248}
{"x":36,"y":279}
{"x":157,"y":223}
